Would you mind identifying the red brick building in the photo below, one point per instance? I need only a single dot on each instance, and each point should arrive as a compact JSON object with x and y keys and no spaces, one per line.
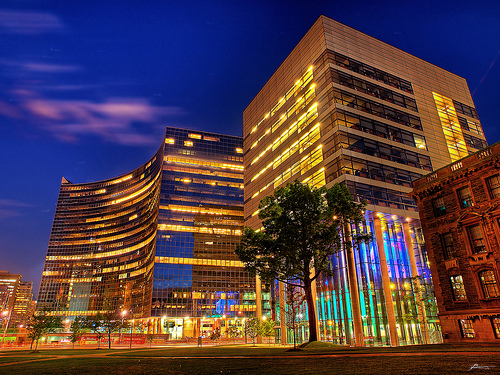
{"x":459,"y":208}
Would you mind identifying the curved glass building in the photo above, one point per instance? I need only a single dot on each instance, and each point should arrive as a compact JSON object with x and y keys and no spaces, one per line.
{"x":157,"y":242}
{"x":101,"y":250}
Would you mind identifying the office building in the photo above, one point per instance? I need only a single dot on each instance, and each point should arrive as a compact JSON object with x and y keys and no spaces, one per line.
{"x":15,"y":300}
{"x":347,"y":108}
{"x":156,"y":243}
{"x":459,"y":207}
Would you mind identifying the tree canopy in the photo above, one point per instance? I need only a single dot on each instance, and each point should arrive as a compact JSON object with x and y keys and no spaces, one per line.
{"x":41,"y":323}
{"x":301,"y":228}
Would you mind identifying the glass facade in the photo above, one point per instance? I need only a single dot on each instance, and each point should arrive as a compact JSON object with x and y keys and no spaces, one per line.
{"x":101,"y":250}
{"x":197,"y":276}
{"x":157,"y":242}
{"x":382,"y":124}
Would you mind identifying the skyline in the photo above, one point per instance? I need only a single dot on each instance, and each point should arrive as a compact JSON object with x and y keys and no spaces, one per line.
{"x":88,"y":97}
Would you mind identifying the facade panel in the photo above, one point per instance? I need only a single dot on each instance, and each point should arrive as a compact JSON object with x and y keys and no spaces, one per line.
{"x":347,"y":108}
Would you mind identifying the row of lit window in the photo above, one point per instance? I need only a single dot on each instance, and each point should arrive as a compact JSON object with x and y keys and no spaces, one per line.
{"x":206,"y":163}
{"x":199,"y":262}
{"x":202,"y":210}
{"x":301,"y":83}
{"x":183,"y":228}
{"x":106,"y":254}
{"x":487,"y":281}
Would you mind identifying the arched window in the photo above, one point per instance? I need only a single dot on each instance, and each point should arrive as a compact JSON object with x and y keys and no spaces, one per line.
{"x":489,"y":284}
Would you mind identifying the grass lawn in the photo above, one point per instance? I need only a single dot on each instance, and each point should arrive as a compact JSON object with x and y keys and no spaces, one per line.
{"x":258,"y":360}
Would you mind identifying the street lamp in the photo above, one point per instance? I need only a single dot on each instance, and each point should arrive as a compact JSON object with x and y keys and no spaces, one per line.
{"x":123,"y":313}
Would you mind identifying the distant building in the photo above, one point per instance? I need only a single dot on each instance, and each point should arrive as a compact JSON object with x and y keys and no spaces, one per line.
{"x":15,"y":299}
{"x":459,"y":207}
{"x":347,"y":108}
{"x":157,"y":243}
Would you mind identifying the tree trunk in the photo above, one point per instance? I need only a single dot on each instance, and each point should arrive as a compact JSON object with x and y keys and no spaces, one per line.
{"x":109,"y":340}
{"x":313,"y":334}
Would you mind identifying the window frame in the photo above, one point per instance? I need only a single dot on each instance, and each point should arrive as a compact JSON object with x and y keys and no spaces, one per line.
{"x":487,"y":286}
{"x":467,"y":328}
{"x":438,"y":210}
{"x":447,"y":254}
{"x":471,"y":240}
{"x":458,"y":297}
{"x":467,"y":201}
{"x":493,"y":192}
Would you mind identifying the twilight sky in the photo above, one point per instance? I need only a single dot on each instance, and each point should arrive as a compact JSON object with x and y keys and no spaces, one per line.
{"x":87,"y":87}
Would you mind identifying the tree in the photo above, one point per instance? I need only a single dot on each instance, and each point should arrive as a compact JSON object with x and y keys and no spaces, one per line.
{"x":76,"y":329}
{"x":41,"y":323}
{"x":252,"y":328}
{"x":302,"y":227}
{"x":233,"y":332}
{"x":267,"y":329}
{"x":96,"y":324}
{"x":149,"y":338}
{"x":215,"y":335}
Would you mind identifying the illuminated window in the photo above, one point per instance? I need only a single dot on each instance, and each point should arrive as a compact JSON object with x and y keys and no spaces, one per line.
{"x":489,"y":284}
{"x":465,"y":197}
{"x":169,"y":141}
{"x":495,"y":322}
{"x":476,"y":239}
{"x":451,"y":127}
{"x":188,"y":143}
{"x":467,"y":328}
{"x":211,"y":139}
{"x":494,"y":186}
{"x":439,"y":207}
{"x":194,"y":136}
{"x":458,"y":288}
{"x":448,"y":247}
{"x":419,"y":142}
{"x":239,"y":150}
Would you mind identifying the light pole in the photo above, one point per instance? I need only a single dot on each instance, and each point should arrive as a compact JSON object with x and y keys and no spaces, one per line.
{"x":123,"y":313}
{"x":131,"y":331}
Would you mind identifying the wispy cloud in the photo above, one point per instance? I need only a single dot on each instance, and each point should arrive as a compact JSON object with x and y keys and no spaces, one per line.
{"x":29,"y":22}
{"x":11,"y":208}
{"x":50,"y":68}
{"x":127,"y":121}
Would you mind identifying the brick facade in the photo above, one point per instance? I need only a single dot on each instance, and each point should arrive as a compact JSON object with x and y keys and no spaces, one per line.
{"x":475,"y":253}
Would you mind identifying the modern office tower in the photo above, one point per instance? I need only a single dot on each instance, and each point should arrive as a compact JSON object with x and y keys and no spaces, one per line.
{"x":197,"y":276}
{"x":101,"y":250}
{"x":22,"y":306}
{"x":156,"y":243}
{"x":9,"y":286}
{"x":459,"y":208}
{"x":347,"y":108}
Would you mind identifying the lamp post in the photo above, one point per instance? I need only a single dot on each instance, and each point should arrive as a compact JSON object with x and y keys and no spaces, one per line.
{"x":123,"y":313}
{"x":131,"y":332}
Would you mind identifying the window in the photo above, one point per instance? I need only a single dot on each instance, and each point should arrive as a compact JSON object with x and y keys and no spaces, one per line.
{"x":466,"y":328}
{"x":465,"y":197}
{"x":489,"y":284}
{"x":439,"y":207}
{"x":495,"y":322}
{"x":447,"y":244}
{"x":457,"y":285}
{"x":476,"y":239}
{"x":493,"y":183}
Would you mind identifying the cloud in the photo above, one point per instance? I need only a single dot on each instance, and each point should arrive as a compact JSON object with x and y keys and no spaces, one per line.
{"x":28,"y":22}
{"x":50,"y":68}
{"x":126,"y":121}
{"x":10,"y":208}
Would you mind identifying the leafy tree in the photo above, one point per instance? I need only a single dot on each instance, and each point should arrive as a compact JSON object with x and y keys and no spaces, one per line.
{"x":149,"y":338}
{"x":267,"y":329}
{"x":96,"y":324}
{"x":215,"y":335}
{"x":252,"y":328}
{"x":301,"y":228}
{"x":76,"y":329}
{"x":41,"y":323}
{"x":233,"y":332}
{"x":111,"y":323}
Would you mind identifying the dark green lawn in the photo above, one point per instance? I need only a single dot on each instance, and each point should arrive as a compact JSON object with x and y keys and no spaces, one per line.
{"x":259,"y":360}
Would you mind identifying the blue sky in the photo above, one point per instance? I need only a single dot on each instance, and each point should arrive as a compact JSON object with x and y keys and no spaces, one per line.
{"x":88,"y":87}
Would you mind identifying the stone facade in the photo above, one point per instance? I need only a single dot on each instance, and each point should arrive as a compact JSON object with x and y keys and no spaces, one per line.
{"x":459,"y":207}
